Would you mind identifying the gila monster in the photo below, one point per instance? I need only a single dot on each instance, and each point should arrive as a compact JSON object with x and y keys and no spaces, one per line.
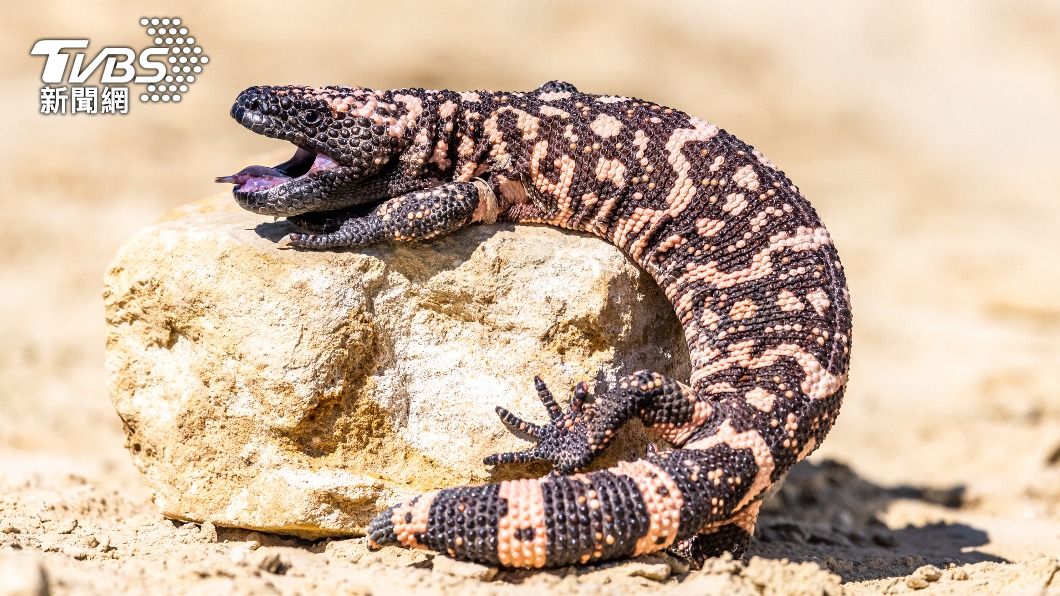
{"x":751,"y":272}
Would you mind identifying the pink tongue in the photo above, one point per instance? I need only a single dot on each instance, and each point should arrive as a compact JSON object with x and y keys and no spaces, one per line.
{"x":255,"y":178}
{"x":322,"y":162}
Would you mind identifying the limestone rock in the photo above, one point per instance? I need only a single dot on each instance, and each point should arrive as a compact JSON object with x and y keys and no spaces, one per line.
{"x":301,"y":392}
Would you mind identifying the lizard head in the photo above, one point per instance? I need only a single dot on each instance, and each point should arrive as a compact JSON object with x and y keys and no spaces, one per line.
{"x":343,"y":135}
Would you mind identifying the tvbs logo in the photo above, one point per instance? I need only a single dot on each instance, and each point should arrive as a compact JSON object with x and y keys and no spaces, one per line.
{"x":165,"y":70}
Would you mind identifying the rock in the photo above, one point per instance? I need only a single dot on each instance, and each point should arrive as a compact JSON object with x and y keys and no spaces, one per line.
{"x":22,"y":575}
{"x":653,"y":569}
{"x":301,"y":392}
{"x":104,"y":541}
{"x":208,"y":531}
{"x":957,"y":574}
{"x":916,"y":582}
{"x":66,"y":526}
{"x":929,"y":573}
{"x":272,"y":561}
{"x":464,"y":569}
{"x":240,"y":555}
{"x":350,"y":550}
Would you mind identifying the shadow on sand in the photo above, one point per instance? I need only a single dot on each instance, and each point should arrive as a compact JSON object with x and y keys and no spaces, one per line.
{"x":827,"y":514}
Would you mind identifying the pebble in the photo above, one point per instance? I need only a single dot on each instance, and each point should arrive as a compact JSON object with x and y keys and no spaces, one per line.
{"x":104,"y":542}
{"x":22,"y":575}
{"x":239,"y":555}
{"x":677,"y":566}
{"x":929,"y":573}
{"x":464,"y":569}
{"x":78,"y":553}
{"x":923,"y":576}
{"x":208,"y":532}
{"x":272,"y":561}
{"x":66,"y":527}
{"x":653,"y":568}
{"x":916,"y":583}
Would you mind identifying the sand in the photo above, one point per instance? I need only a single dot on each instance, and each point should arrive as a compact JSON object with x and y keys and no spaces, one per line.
{"x":925,"y":133}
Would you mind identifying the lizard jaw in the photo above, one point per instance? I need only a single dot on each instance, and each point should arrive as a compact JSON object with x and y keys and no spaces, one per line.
{"x":258,"y":178}
{"x":306,"y":182}
{"x":339,"y":147}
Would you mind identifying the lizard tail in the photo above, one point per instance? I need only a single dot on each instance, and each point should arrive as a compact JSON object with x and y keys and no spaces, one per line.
{"x":630,"y":509}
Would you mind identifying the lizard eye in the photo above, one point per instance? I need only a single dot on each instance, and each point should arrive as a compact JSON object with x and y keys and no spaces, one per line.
{"x":310,"y":116}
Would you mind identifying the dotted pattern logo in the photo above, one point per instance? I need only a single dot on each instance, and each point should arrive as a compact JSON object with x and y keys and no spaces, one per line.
{"x":186,"y":58}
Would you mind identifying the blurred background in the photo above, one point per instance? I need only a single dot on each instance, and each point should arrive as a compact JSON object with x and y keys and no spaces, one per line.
{"x":926,"y":134}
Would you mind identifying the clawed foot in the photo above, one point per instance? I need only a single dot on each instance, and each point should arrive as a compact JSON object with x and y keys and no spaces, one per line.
{"x":313,"y":241}
{"x":697,"y":549}
{"x":563,"y":441}
{"x":340,"y":239}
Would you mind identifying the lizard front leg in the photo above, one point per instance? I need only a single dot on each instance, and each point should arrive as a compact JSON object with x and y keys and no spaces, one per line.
{"x":414,"y":216}
{"x":360,"y":198}
{"x":326,"y":222}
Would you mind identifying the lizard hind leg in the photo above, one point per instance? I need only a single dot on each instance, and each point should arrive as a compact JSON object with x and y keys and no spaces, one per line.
{"x":572,"y":439}
{"x":732,"y":536}
{"x":561,"y":441}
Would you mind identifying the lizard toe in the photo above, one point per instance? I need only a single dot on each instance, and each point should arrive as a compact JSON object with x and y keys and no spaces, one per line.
{"x":514,"y":457}
{"x":518,"y":426}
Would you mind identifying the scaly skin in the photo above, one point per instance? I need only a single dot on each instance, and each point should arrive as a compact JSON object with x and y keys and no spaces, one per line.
{"x":741,"y":255}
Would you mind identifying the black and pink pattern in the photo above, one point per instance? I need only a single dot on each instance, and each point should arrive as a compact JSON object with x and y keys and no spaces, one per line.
{"x":742,"y":256}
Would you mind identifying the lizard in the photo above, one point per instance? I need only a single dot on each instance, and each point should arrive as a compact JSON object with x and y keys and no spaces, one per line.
{"x":753,"y":276}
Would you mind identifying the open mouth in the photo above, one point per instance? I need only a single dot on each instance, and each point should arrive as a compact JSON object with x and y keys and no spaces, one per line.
{"x":259,"y":178}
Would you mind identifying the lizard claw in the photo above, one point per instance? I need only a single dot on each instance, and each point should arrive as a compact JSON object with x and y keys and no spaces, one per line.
{"x":562,"y":441}
{"x":581,"y":391}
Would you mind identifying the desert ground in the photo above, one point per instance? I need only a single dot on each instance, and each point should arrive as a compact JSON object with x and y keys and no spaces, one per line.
{"x":926,"y":134}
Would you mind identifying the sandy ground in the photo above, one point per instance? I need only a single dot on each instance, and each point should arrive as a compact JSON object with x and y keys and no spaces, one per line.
{"x":925,"y":133}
